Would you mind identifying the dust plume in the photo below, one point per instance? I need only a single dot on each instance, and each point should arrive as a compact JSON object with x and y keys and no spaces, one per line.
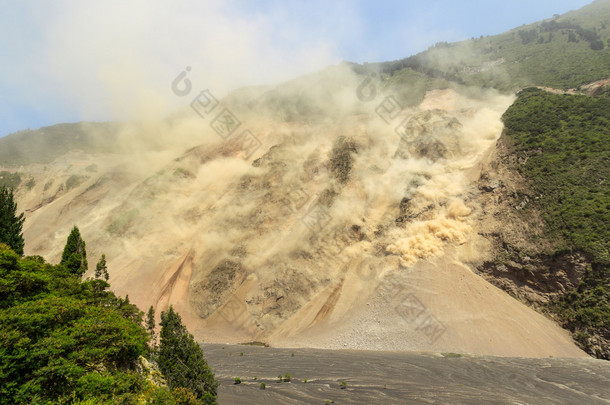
{"x":268,"y":218}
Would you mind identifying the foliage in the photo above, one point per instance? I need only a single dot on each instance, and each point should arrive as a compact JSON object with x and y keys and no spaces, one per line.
{"x":566,"y":52}
{"x":10,"y":180}
{"x":101,"y":269}
{"x":563,"y":140}
{"x":181,"y":359}
{"x":64,"y":340}
{"x":150,"y":323}
{"x":74,"y":181}
{"x":74,"y":256}
{"x":55,"y":343}
{"x":11,"y":224}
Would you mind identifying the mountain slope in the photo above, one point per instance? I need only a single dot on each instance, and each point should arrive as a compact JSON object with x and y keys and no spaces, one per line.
{"x":561,"y":52}
{"x":344,"y":202}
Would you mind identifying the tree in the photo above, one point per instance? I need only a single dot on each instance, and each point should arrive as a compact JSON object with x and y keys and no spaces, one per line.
{"x":181,"y":359}
{"x":74,"y":257}
{"x":150,"y":323}
{"x":101,"y":270}
{"x":11,"y":224}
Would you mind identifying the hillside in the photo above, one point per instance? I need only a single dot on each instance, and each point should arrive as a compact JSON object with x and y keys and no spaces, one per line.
{"x":550,"y":174}
{"x":362,"y":206}
{"x":561,"y":52}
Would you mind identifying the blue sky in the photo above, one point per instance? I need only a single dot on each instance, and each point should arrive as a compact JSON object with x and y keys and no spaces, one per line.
{"x":69,"y":60}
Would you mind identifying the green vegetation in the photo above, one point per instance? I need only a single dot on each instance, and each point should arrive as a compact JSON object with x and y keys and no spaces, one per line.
{"x":11,"y":224}
{"x":10,"y":180}
{"x":181,"y":359}
{"x":237,"y":380}
{"x":564,"y":141}
{"x":123,"y":221}
{"x":343,"y":385}
{"x":59,"y":342}
{"x":564,"y":52}
{"x":74,"y":256}
{"x":64,"y":340}
{"x":30,"y":183}
{"x":74,"y":181}
{"x":255,"y":343}
{"x":46,"y":144}
{"x":263,"y":385}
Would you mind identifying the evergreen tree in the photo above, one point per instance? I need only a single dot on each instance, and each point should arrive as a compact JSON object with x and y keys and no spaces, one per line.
{"x":98,"y":285}
{"x":11,"y":224}
{"x":101,"y":270}
{"x":74,"y":257}
{"x":181,"y":359}
{"x":150,"y":321}
{"x":150,"y":328}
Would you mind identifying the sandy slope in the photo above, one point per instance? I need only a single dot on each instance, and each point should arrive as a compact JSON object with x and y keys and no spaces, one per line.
{"x":224,"y":237}
{"x":437,"y":305}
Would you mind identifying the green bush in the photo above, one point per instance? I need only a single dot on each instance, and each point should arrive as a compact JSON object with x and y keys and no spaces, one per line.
{"x":564,"y":141}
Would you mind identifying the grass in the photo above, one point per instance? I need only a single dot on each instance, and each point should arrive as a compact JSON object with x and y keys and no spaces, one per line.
{"x":255,"y":343}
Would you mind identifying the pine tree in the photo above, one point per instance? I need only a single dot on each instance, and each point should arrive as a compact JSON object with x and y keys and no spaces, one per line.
{"x":101,"y":270}
{"x":74,"y":256}
{"x":150,"y":328}
{"x":99,"y":285}
{"x":150,"y":321}
{"x":11,"y":224}
{"x":181,"y":359}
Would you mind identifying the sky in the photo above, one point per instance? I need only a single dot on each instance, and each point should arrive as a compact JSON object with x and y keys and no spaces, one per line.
{"x":115,"y":60}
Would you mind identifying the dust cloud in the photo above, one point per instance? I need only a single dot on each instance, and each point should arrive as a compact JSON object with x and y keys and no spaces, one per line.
{"x":312,"y":183}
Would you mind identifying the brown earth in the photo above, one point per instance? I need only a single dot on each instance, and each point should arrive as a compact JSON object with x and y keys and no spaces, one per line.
{"x":342,"y":233}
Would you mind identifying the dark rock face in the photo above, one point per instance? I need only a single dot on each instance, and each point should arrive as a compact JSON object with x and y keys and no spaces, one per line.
{"x":431,"y":134}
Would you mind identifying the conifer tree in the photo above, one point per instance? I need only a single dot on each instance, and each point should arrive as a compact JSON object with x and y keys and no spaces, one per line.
{"x":150,"y":328}
{"x":181,"y":359}
{"x":101,"y":269}
{"x":74,"y":256}
{"x":150,"y":321}
{"x":11,"y":224}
